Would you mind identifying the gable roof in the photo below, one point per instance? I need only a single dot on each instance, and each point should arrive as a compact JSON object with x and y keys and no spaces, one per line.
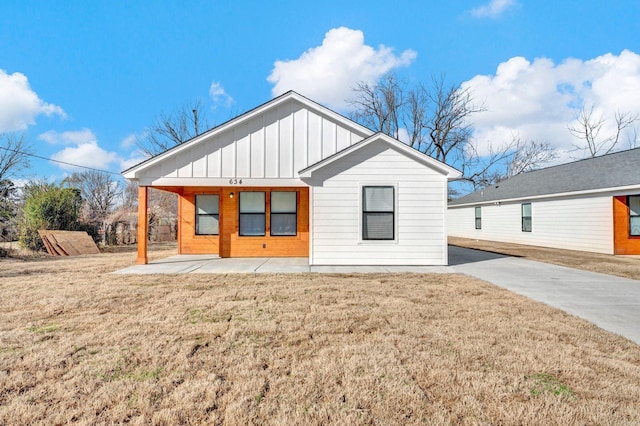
{"x":617,"y":170}
{"x":364,"y":132}
{"x":416,"y":155}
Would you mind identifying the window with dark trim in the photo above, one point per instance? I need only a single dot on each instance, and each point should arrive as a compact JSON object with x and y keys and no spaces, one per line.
{"x":634,"y":215}
{"x":284,"y":213}
{"x":207,"y":214}
{"x":478,"y":217}
{"x":378,"y":221}
{"x":252,"y":214}
{"x":526,"y":217}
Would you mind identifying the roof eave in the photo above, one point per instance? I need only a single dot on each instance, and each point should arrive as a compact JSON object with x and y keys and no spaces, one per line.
{"x":556,"y":195}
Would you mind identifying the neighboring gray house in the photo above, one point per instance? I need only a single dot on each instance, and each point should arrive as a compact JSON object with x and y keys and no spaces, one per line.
{"x":590,"y":205}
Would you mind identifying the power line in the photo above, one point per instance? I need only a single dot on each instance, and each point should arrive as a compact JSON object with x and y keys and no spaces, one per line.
{"x":58,"y":161}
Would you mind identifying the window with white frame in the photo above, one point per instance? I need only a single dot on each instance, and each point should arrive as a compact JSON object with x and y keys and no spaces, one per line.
{"x":378,"y":213}
{"x":478,"y":217}
{"x":284,"y":213}
{"x":526,"y":217}
{"x":207,"y":214}
{"x":252,"y":214}
{"x":634,"y":215}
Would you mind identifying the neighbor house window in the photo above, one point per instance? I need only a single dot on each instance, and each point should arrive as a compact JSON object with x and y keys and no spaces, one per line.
{"x":634,"y":215}
{"x":378,"y":213}
{"x":284,"y":213}
{"x":252,"y":214}
{"x":478,"y":217}
{"x":207,"y":215}
{"x":526,"y":217}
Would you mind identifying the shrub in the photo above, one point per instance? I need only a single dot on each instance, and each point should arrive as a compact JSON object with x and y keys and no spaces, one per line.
{"x":48,"y":206}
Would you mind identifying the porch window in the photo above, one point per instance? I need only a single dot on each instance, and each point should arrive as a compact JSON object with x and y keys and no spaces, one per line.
{"x":378,"y":213}
{"x":252,"y":214}
{"x":478,"y":217}
{"x":207,"y":214}
{"x":526,"y":217}
{"x":284,"y":213}
{"x":634,"y":215}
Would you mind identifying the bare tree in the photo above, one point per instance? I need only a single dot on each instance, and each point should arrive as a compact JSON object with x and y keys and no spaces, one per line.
{"x":589,"y":127}
{"x":434,"y":120}
{"x":130,"y":196}
{"x":14,"y":155}
{"x":99,"y":191}
{"x":529,"y":155}
{"x":175,"y":128}
{"x":380,"y":106}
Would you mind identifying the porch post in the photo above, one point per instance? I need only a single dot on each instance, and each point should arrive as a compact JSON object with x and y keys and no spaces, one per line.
{"x":143,"y":226}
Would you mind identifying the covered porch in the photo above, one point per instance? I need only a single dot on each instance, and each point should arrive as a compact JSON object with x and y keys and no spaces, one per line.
{"x":234,"y":221}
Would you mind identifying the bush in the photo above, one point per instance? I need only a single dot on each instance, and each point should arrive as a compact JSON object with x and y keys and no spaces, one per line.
{"x":48,"y":206}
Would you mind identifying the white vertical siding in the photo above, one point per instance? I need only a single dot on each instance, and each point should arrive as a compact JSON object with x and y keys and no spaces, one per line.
{"x":275,"y":144}
{"x":420,"y":219}
{"x":579,"y":223}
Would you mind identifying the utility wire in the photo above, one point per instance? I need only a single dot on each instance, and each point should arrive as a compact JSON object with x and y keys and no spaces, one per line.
{"x":58,"y":161}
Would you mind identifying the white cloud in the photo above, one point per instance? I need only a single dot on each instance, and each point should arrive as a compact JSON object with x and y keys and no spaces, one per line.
{"x":72,"y":137}
{"x":327,"y":73}
{"x":493,"y":9}
{"x":19,"y":104}
{"x":219,"y":96}
{"x":129,"y":141}
{"x":135,"y":158}
{"x":82,"y":149}
{"x":540,"y":99}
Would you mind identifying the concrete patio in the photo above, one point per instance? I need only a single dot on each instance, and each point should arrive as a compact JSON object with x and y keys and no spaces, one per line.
{"x":211,"y":264}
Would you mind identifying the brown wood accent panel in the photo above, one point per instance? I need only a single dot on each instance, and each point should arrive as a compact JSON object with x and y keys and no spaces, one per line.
{"x":188,"y":241}
{"x":143,"y":226}
{"x":234,"y":245}
{"x":229,"y":243}
{"x":623,"y":243}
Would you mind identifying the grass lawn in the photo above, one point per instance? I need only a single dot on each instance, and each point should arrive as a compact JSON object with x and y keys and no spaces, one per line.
{"x":78,"y":344}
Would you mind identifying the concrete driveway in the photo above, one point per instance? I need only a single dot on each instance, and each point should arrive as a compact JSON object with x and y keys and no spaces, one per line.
{"x":611,"y":303}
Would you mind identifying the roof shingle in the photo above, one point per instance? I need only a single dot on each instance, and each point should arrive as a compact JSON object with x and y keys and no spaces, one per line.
{"x":608,"y":171}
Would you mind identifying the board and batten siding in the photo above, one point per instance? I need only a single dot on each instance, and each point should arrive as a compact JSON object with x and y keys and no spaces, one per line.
{"x":273,"y":145}
{"x":420,"y":199}
{"x":580,"y":223}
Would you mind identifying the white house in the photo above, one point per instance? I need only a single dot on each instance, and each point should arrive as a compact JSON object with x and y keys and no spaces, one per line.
{"x":293,"y":178}
{"x":589,"y":205}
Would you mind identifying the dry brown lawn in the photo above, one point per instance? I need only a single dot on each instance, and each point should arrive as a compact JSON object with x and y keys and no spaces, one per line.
{"x":622,"y":266}
{"x":79,"y":345}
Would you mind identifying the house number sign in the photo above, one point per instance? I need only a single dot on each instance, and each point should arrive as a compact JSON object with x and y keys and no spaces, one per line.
{"x":235,"y":181}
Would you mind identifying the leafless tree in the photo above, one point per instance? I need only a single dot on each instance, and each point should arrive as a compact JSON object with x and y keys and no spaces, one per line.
{"x":175,"y":128}
{"x":100,"y":192}
{"x":130,"y":196}
{"x":529,"y":155}
{"x":381,"y":106}
{"x":434,"y":120}
{"x":14,"y":155}
{"x":589,"y":127}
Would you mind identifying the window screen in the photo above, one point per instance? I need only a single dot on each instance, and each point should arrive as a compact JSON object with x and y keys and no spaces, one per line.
{"x":478,"y":217}
{"x":252,"y":213}
{"x":284,"y":215}
{"x":634,"y":215}
{"x":378,"y":213}
{"x":207,"y":215}
{"x":526,"y":217}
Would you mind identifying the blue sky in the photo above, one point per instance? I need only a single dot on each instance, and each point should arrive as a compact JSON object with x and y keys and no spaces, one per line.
{"x":82,"y":79}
